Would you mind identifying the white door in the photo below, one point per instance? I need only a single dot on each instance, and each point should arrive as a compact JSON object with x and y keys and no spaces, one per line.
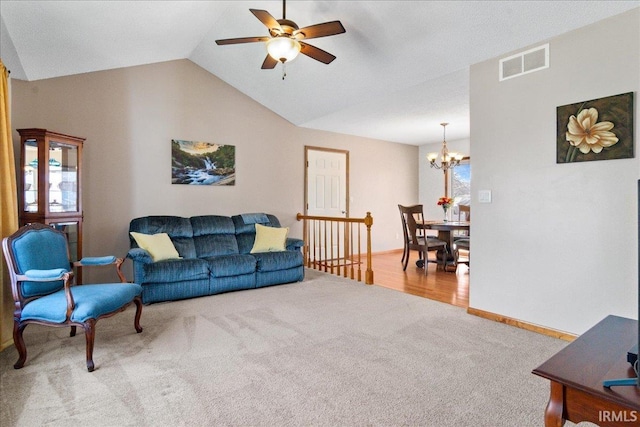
{"x":327,"y":188}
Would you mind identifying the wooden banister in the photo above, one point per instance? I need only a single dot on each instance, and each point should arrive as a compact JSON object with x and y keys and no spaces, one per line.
{"x":334,"y":245}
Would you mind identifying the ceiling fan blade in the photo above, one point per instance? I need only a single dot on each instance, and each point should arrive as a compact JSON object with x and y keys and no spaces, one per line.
{"x":269,"y":21}
{"x":321,"y":30}
{"x":242,"y":40}
{"x":316,"y":53}
{"x":269,"y":63}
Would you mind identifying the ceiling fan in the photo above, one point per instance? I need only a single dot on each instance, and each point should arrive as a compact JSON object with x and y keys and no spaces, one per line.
{"x":285,"y":41}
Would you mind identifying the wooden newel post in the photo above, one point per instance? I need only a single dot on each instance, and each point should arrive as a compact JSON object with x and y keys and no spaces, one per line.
{"x":368,"y":221}
{"x":306,"y":256}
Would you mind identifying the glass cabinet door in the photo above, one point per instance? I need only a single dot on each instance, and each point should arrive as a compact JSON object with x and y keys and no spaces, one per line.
{"x":52,"y":187}
{"x":63,"y":177}
{"x":30,"y":168}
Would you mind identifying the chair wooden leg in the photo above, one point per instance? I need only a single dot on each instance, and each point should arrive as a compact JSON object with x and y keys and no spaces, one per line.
{"x":19,"y":343}
{"x":73,"y":331}
{"x":406,"y":261}
{"x":136,"y":322}
{"x":425,"y":256}
{"x":443,"y":256}
{"x":90,"y":334}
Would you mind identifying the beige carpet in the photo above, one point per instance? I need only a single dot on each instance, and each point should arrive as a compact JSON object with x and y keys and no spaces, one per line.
{"x":323,"y":352}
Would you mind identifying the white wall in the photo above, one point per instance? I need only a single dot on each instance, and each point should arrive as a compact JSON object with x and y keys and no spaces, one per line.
{"x":129,"y":117}
{"x":558,"y":246}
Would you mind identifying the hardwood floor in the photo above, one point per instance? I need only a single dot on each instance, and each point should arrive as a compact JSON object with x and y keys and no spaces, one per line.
{"x":438,"y":285}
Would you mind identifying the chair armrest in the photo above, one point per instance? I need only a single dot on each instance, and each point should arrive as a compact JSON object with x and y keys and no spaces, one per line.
{"x":96,"y":260}
{"x":52,"y":275}
{"x":293,"y":244}
{"x":102,"y":261}
{"x":140,"y":255}
{"x":44,"y":275}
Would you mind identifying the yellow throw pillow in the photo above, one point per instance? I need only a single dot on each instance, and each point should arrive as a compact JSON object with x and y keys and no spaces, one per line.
{"x":269,"y":239}
{"x":158,"y":245}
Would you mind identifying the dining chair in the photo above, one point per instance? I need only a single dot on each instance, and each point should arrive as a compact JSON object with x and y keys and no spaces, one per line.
{"x":463,"y":244}
{"x":464,"y":213}
{"x":463,"y":240}
{"x":44,"y":293}
{"x":415,"y":238}
{"x":405,"y":234}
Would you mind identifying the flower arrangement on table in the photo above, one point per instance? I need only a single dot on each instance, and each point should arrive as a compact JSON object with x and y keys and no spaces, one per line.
{"x":446,"y":203}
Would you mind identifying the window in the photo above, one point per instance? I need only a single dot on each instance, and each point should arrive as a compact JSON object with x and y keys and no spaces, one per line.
{"x":459,"y":181}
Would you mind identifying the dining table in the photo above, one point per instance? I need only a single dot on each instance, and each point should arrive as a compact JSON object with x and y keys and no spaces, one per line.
{"x":446,"y":232}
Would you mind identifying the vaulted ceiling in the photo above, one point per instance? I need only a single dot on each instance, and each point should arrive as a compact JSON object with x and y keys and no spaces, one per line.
{"x":402,"y":67}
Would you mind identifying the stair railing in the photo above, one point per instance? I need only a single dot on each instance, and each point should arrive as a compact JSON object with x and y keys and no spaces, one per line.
{"x":334,"y":245}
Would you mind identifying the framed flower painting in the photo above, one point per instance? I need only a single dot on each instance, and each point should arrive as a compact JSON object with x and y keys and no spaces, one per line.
{"x":600,"y":129}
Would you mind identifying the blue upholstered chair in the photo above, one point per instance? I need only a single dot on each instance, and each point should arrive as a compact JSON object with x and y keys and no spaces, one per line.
{"x":42,"y":285}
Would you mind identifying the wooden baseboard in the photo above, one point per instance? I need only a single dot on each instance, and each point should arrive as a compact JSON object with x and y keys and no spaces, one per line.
{"x":521,"y":324}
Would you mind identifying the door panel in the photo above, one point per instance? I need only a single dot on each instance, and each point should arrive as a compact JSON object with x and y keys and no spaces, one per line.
{"x":327,"y":183}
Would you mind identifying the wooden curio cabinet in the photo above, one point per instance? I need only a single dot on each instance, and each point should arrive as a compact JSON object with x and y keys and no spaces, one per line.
{"x":50,"y":191}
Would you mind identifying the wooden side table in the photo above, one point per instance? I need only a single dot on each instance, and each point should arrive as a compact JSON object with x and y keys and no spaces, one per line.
{"x":577,"y":372}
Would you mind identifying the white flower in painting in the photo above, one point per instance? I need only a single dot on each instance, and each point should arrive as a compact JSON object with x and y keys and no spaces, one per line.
{"x":585,"y":133}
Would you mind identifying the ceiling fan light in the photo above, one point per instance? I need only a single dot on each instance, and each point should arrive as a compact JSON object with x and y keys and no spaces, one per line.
{"x":283,"y":49}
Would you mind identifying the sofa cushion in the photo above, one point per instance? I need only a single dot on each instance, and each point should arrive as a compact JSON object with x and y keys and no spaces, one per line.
{"x":246,"y":232}
{"x":248,"y":226}
{"x":174,"y":226}
{"x":213,"y":235}
{"x":174,"y":270}
{"x":184,"y":246}
{"x":212,"y":224}
{"x":178,"y":228}
{"x":273,"y":261}
{"x":269,"y":239}
{"x":231,"y":265}
{"x":215,"y":245}
{"x":158,"y":245}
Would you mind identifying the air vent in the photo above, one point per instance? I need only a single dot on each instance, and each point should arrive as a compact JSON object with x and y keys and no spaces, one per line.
{"x":524,"y":62}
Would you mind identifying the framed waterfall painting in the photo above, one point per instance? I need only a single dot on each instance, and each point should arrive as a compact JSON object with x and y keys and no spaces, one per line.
{"x":202,"y":163}
{"x":599,"y":129}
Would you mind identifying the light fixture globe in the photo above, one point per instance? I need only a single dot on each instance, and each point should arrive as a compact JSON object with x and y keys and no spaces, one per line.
{"x":283,"y":48}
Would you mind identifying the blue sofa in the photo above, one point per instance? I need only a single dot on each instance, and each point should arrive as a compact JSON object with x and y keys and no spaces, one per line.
{"x":214,"y":255}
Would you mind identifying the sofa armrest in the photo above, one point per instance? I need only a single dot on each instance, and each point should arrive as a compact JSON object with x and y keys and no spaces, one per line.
{"x":293,"y":244}
{"x":139,"y":255}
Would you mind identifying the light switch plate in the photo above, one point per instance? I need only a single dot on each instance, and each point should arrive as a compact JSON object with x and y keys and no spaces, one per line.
{"x":484,"y":196}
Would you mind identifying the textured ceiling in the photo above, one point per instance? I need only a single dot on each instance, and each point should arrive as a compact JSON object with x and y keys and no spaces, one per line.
{"x":402,"y":67}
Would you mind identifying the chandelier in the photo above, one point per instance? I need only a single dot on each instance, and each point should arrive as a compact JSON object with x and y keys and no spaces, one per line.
{"x":448,"y":160}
